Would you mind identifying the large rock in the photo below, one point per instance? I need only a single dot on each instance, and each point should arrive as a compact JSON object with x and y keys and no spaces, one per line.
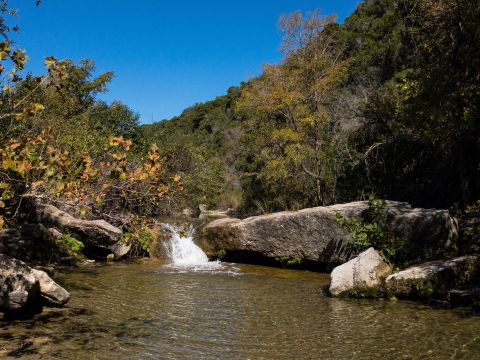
{"x":51,"y":293}
{"x":23,"y":289}
{"x":433,"y":280}
{"x":90,"y":232}
{"x":316,"y":239}
{"x":19,"y":289}
{"x":360,"y":277}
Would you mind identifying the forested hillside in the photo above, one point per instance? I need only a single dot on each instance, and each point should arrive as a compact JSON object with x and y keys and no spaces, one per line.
{"x":386,"y":103}
{"x":202,"y":146}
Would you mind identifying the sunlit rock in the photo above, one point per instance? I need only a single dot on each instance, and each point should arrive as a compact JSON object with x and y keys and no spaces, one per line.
{"x":360,"y":277}
{"x":313,"y":238}
{"x":23,"y":289}
{"x":90,"y":232}
{"x":51,"y":293}
{"x":433,"y":280}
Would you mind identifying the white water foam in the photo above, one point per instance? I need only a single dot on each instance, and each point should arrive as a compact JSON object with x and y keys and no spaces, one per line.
{"x":184,"y":253}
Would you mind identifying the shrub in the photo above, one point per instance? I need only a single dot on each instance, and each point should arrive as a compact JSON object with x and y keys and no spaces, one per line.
{"x":70,"y":243}
{"x":141,"y":237}
{"x":373,"y":231}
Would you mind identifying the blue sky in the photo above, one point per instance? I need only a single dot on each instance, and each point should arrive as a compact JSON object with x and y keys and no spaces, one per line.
{"x":166,"y":55}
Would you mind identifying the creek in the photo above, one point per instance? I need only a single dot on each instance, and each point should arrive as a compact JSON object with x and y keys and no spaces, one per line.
{"x":190,"y":308}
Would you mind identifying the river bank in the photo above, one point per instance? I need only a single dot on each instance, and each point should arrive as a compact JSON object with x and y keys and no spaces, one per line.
{"x":428,"y":248}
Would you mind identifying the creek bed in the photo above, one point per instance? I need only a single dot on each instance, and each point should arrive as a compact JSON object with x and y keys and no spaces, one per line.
{"x":150,"y":310}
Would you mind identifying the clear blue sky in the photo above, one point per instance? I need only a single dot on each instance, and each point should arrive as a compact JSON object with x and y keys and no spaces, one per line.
{"x":166,"y":55}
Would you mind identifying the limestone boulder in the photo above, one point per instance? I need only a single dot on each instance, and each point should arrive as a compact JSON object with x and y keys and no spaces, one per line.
{"x":90,"y":232}
{"x":19,"y":288}
{"x":120,"y":249}
{"x":433,"y":280}
{"x":23,"y":289}
{"x":314,"y":237}
{"x":51,"y":293}
{"x":362,"y":276}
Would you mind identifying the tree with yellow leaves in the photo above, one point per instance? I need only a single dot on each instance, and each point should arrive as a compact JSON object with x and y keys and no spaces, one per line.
{"x":292,"y":104}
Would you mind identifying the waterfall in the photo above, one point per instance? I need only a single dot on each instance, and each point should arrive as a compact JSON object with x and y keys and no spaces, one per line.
{"x":184,"y":253}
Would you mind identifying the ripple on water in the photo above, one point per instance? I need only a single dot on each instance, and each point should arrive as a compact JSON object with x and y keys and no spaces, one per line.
{"x":151,"y":311}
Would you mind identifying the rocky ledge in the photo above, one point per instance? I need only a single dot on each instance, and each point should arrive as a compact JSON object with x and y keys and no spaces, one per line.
{"x":433,"y":280}
{"x":90,"y":232}
{"x":46,"y":235}
{"x":314,"y":238}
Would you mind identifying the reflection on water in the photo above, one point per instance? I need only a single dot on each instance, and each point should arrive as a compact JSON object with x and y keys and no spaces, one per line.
{"x":149,"y":311}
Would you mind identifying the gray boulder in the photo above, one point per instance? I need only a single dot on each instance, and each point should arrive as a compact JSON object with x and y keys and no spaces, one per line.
{"x":433,"y":280}
{"x":120,"y":249}
{"x":19,"y":289}
{"x":315,"y":238}
{"x":23,"y":289}
{"x":51,"y":293}
{"x":90,"y":232}
{"x":360,"y":277}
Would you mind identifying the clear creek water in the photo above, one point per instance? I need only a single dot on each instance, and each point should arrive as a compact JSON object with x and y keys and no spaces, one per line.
{"x":191,"y":309}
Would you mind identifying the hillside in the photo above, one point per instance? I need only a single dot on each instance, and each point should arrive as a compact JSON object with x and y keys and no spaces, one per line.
{"x":386,"y":103}
{"x":201,"y":145}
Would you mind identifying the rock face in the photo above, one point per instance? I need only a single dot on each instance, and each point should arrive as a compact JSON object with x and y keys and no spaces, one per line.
{"x":23,"y":289}
{"x":32,"y":243}
{"x":314,"y":237}
{"x":433,"y":280}
{"x":90,"y":232}
{"x":360,"y":277}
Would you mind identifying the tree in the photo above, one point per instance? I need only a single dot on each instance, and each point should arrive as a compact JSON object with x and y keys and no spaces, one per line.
{"x":294,"y":105}
{"x":420,"y":134}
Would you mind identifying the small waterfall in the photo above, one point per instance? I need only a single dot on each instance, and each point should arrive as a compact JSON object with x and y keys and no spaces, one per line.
{"x":184,"y":252}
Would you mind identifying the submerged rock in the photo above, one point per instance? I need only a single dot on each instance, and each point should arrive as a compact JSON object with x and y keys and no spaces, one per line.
{"x":314,"y":238}
{"x":433,"y":280}
{"x":26,"y":290}
{"x":360,"y":277}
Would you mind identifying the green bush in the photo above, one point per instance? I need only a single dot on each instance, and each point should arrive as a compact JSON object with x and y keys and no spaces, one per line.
{"x":145,"y":239}
{"x":141,"y":237}
{"x":70,"y":243}
{"x":221,"y":254}
{"x":373,"y":231}
{"x":291,"y":262}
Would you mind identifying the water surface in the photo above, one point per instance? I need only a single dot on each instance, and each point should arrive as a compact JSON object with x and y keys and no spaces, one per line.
{"x":149,"y":310}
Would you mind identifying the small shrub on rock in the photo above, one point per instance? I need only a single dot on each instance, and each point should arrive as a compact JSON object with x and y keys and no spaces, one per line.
{"x":373,"y":231}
